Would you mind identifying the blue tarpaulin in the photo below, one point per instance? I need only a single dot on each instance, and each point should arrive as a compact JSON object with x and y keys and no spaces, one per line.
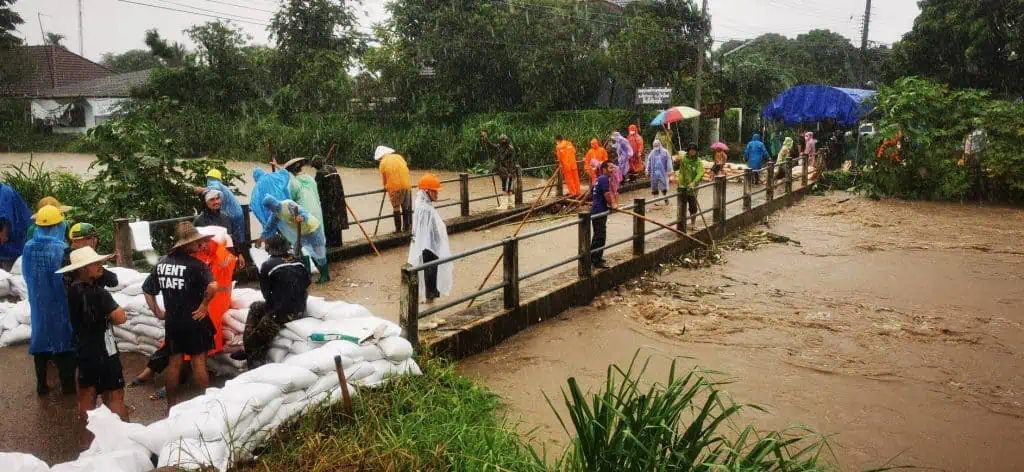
{"x":813,"y":103}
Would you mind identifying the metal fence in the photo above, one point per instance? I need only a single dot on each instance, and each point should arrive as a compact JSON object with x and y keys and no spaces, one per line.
{"x":410,"y":313}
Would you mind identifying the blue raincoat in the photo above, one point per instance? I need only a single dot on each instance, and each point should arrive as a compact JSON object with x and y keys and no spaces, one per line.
{"x":623,"y":151}
{"x":274,"y":184}
{"x":229,"y":205}
{"x":51,"y":325}
{"x":14,"y":212}
{"x":659,"y":166}
{"x":755,"y":152}
{"x":282,"y":220}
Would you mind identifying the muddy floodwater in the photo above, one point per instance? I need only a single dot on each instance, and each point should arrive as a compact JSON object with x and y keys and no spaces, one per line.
{"x":893,"y":327}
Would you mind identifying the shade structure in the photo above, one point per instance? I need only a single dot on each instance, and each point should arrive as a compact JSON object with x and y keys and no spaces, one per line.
{"x":673,"y":115}
{"x":813,"y":103}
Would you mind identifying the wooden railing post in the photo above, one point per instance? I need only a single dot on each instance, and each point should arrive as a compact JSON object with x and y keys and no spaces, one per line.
{"x":559,"y":182}
{"x":247,"y":219}
{"x":464,"y":194}
{"x":787,"y":167}
{"x":519,"y":185}
{"x":585,"y":262}
{"x":718,"y":201}
{"x":123,"y":243}
{"x":409,"y":306}
{"x":640,"y":208}
{"x":803,"y":171}
{"x":748,"y":183}
{"x":769,"y":192}
{"x":681,"y":209}
{"x":510,"y":252}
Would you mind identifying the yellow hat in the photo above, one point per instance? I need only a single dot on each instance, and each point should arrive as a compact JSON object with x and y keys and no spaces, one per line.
{"x":49,"y":215}
{"x":215,"y":174}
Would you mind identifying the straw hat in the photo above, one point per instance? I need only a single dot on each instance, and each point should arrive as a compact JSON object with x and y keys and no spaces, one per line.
{"x":185,"y":233}
{"x":82,"y":257}
{"x":381,"y":152}
{"x":293,"y":162}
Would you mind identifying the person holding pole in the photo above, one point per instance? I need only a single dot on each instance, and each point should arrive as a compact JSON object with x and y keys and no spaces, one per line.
{"x":504,"y":166}
{"x":691,"y":171}
{"x":565,"y":151}
{"x":430,"y":241}
{"x":394,"y":174}
{"x":603,"y":199}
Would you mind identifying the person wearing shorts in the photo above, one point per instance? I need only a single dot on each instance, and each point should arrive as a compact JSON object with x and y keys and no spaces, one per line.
{"x":394,"y":175}
{"x":187,"y":286}
{"x":93,"y":313}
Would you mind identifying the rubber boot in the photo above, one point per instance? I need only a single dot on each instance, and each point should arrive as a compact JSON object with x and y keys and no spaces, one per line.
{"x":502,"y":203}
{"x":398,"y":221}
{"x":66,"y":368}
{"x":510,"y":202}
{"x":307,"y":262}
{"x":40,"y":362}
{"x":325,"y":273}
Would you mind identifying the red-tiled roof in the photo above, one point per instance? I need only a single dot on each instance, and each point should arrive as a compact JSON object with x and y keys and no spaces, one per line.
{"x":40,"y":68}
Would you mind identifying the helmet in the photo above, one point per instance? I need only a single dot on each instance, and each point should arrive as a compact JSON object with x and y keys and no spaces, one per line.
{"x":214,"y":174}
{"x":49,"y":215}
{"x":81,"y":231}
{"x":429,"y":182}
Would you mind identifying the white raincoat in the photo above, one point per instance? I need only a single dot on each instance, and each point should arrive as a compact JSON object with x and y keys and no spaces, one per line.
{"x":430,"y":232}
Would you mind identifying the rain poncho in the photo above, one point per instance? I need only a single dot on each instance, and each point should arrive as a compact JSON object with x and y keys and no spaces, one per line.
{"x":15,"y":212}
{"x":430,"y":232}
{"x":221,"y":262}
{"x":811,"y":149}
{"x":595,"y":156}
{"x":636,"y":144}
{"x":783,"y":153}
{"x":504,"y":157}
{"x":332,"y":197}
{"x":691,"y":170}
{"x":229,"y":205}
{"x":274,"y":184}
{"x":774,"y":144}
{"x":282,"y":220}
{"x":623,"y":150}
{"x":51,"y":324}
{"x":303,"y":191}
{"x":566,"y":153}
{"x":394,"y":173}
{"x":659,"y":165}
{"x":755,"y":152}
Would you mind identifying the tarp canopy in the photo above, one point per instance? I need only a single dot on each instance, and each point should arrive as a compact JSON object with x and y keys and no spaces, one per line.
{"x":812,"y":103}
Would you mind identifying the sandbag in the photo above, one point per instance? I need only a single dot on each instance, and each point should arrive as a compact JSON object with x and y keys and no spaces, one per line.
{"x":18,"y":462}
{"x":145,"y":330}
{"x":395,"y":348}
{"x":303,"y":327}
{"x":133,"y":290}
{"x":284,"y":376}
{"x":277,"y":355}
{"x":358,"y":353}
{"x":18,"y":335}
{"x":194,"y":454}
{"x":298,"y":347}
{"x":281,"y":343}
{"x":318,"y":361}
{"x":10,"y":321}
{"x":125,"y":335}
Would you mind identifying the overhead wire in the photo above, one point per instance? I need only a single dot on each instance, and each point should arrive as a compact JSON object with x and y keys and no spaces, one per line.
{"x":219,"y":17}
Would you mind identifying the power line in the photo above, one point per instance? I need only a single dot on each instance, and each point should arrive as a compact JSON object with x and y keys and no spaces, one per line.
{"x":169,"y":2}
{"x":241,"y":6}
{"x":192,"y":12}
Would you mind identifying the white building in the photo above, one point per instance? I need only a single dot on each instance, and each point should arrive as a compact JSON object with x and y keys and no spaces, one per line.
{"x":78,"y":107}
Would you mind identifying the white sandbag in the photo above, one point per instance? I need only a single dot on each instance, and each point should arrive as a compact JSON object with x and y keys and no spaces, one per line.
{"x":277,"y":355}
{"x":16,"y":267}
{"x":300,"y":347}
{"x":345,"y":311}
{"x":242,"y":298}
{"x":259,"y":428}
{"x":281,"y":343}
{"x":194,"y":454}
{"x":359,"y":371}
{"x":18,"y":462}
{"x":133,"y":290}
{"x":19,"y":287}
{"x":240,"y":315}
{"x":133,"y":458}
{"x":125,"y":346}
{"x":395,"y":348}
{"x":143,"y":330}
{"x":385,"y":370}
{"x":318,"y":361}
{"x":111,"y":448}
{"x":259,"y":256}
{"x":286,"y":377}
{"x":366,"y":352}
{"x":125,"y":335}
{"x":10,"y":321}
{"x":289,"y":334}
{"x":126,"y":277}
{"x":231,"y":324}
{"x":147,"y":320}
{"x":304,"y":327}
{"x":148,"y":341}
{"x":18,"y":335}
{"x":327,"y":382}
{"x":146,"y":349}
{"x":5,"y":287}
{"x":23,"y":312}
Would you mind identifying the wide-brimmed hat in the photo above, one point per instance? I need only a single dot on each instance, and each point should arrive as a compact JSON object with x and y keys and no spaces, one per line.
{"x":293,"y":162}
{"x":82,"y":257}
{"x":186,"y":233}
{"x":381,"y":152}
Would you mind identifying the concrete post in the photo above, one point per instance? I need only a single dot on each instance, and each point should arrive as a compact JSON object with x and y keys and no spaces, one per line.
{"x":803,"y":173}
{"x":681,"y":209}
{"x":464,"y":194}
{"x":510,"y":252}
{"x":718,"y":212}
{"x":123,"y":243}
{"x":787,"y":167}
{"x":559,"y":182}
{"x":519,"y":185}
{"x":640,"y":208}
{"x":769,"y":193}
{"x":748,"y":182}
{"x":409,"y":306}
{"x":585,"y":262}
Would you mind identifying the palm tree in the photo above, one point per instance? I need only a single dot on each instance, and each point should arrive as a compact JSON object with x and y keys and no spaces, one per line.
{"x":54,"y":39}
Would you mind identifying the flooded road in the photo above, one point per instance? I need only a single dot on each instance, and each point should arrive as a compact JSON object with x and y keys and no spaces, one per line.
{"x":895,"y":327}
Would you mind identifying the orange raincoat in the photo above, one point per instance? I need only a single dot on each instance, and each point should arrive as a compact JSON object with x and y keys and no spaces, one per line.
{"x":566,"y":153}
{"x":636,"y":163}
{"x":221,"y":262}
{"x":595,"y":156}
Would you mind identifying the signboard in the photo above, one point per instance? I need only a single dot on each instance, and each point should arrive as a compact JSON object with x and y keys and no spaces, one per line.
{"x":653,"y":96}
{"x":712,"y":110}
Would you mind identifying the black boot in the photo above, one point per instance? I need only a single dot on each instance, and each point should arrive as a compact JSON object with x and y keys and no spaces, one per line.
{"x":66,"y":366}
{"x":398,"y":221}
{"x":41,"y":360}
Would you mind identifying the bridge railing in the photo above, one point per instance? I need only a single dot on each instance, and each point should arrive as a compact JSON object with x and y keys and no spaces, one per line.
{"x":410,"y":311}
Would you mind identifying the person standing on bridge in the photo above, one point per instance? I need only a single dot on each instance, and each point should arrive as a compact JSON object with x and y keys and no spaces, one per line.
{"x":636,"y":143}
{"x":624,"y":153}
{"x":228,"y":205}
{"x":505,"y":166}
{"x":565,"y":151}
{"x":430,"y":241}
{"x":755,"y":154}
{"x":332,"y":197}
{"x":602,"y":199}
{"x":595,"y":156}
{"x":394,"y":175}
{"x":659,"y":168}
{"x":691,"y":170}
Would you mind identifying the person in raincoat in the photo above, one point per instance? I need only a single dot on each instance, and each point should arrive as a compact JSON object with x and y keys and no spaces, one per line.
{"x":430,"y":241}
{"x":229,"y":204}
{"x":595,"y":156}
{"x":286,"y":216}
{"x":394,"y":176}
{"x":332,"y":199}
{"x":214,"y":216}
{"x":45,"y":201}
{"x":636,"y":144}
{"x":811,"y":151}
{"x":755,"y":154}
{"x":612,"y":150}
{"x":624,"y":153}
{"x":659,"y":167}
{"x":14,"y":221}
{"x":665,"y":136}
{"x":784,"y":152}
{"x":217,"y":254}
{"x":273,"y":184}
{"x":691,"y":170}
{"x":774,"y":144}
{"x":504,"y":166}
{"x":565,"y":151}
{"x":52,"y":334}
{"x":303,"y":189}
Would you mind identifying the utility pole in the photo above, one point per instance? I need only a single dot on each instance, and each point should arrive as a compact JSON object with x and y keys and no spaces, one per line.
{"x":81,"y":42}
{"x":700,"y":72}
{"x":42,"y":35}
{"x":864,"y":44}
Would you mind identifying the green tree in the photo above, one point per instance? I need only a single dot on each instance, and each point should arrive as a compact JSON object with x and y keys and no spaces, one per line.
{"x":658,"y":45}
{"x":54,"y":39}
{"x":9,"y":21}
{"x":967,"y":44}
{"x":172,"y":54}
{"x":304,"y":26}
{"x":131,"y":60}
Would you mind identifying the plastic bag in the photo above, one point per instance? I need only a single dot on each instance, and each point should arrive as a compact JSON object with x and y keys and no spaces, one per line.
{"x":286,"y":377}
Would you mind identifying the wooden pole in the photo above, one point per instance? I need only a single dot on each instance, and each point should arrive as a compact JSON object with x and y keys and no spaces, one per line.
{"x":676,"y":231}
{"x":367,"y":236}
{"x":705,"y":221}
{"x":504,"y":220}
{"x":330,"y":155}
{"x":540,"y":197}
{"x":497,"y":196}
{"x":346,"y":399}
{"x":380,"y":211}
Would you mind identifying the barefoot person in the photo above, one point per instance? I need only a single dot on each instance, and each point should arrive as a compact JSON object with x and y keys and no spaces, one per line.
{"x":93,"y":314}
{"x":187,"y":286}
{"x":430,"y":241}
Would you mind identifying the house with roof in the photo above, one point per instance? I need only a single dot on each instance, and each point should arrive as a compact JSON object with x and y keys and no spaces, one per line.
{"x":67,"y":92}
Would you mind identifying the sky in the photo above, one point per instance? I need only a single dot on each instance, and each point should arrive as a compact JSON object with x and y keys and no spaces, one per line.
{"x":118,"y":25}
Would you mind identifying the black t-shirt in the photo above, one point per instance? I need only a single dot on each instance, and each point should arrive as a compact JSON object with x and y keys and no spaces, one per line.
{"x":89,"y":307}
{"x":285,"y":285}
{"x":183,"y":280}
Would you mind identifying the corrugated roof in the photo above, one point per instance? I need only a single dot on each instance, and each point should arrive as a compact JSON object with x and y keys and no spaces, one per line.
{"x":40,"y":68}
{"x":119,"y":85}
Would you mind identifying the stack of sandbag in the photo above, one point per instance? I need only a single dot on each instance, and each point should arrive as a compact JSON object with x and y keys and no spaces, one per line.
{"x":15,"y":323}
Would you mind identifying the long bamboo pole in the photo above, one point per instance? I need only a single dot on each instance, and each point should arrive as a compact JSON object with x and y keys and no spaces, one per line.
{"x":367,"y":236}
{"x":676,"y":231}
{"x":380,"y":211}
{"x":705,"y":221}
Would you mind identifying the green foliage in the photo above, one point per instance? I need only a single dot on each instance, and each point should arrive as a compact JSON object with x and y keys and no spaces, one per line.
{"x":9,"y":21}
{"x":172,"y":54}
{"x":54,"y":39}
{"x":650,"y":50}
{"x":18,"y":135}
{"x":302,"y":27}
{"x":131,"y":60}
